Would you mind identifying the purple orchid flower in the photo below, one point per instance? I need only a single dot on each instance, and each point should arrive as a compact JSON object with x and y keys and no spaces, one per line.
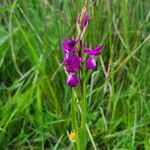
{"x":95,"y":52}
{"x":72,"y":63}
{"x":72,"y":80}
{"x":69,"y":45}
{"x":91,"y":62}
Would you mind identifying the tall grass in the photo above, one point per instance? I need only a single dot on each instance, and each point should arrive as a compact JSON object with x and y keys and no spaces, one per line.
{"x":35,"y":101}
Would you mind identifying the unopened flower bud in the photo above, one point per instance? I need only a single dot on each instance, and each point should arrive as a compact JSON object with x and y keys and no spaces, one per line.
{"x":82,"y":19}
{"x":84,"y":12}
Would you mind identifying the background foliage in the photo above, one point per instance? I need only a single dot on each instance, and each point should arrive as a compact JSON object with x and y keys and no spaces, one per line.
{"x":34,"y":98}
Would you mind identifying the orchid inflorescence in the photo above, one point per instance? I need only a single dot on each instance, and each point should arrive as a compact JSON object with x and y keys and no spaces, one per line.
{"x":75,"y":48}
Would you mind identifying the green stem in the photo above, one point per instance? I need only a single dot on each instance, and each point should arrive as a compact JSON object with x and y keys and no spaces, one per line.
{"x":74,"y":118}
{"x":73,"y":112}
{"x":82,"y":130}
{"x":84,"y":105}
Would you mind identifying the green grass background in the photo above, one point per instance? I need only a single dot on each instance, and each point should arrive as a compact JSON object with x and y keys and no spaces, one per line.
{"x":34,"y":99}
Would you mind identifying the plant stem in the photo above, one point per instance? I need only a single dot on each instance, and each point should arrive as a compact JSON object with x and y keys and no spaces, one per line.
{"x":73,"y":115}
{"x":84,"y":104}
{"x":73,"y":112}
{"x":82,"y":131}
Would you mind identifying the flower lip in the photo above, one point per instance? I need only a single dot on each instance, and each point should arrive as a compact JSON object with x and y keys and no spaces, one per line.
{"x":72,"y":80}
{"x":91,"y":63}
{"x":95,"y":52}
{"x":67,"y":59}
{"x":72,"y":63}
{"x":69,"y":45}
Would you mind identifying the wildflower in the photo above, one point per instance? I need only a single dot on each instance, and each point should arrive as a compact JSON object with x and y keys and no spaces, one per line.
{"x":73,"y":56}
{"x":95,"y":52}
{"x":69,"y":45}
{"x":72,"y":63}
{"x":91,"y":62}
{"x":72,"y":80}
{"x":72,"y":136}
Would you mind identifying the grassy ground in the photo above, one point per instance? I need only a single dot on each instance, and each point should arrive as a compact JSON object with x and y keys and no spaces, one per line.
{"x":34,"y":99}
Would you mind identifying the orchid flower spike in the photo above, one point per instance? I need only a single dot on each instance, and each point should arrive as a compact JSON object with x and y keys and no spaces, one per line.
{"x":74,"y":51}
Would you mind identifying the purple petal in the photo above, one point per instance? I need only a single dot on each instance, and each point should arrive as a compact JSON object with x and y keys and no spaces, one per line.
{"x":91,"y":63}
{"x":72,"y":80}
{"x":69,"y":45}
{"x":86,"y":20}
{"x":72,"y":63}
{"x":67,"y":59}
{"x":97,"y":50}
{"x":87,"y":50}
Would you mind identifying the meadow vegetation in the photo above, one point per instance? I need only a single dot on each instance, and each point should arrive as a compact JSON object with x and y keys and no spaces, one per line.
{"x":35,"y":101}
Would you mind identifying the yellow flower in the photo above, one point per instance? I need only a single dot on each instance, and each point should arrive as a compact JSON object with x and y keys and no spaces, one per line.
{"x":72,"y":136}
